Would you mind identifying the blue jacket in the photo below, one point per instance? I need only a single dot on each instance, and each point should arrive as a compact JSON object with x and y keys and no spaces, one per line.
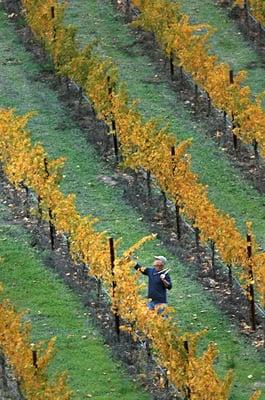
{"x":157,"y":291}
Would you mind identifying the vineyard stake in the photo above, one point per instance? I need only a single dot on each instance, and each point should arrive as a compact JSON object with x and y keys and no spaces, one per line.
{"x":197,"y":242}
{"x":256,"y":151}
{"x":113,"y":126}
{"x":178,"y":221}
{"x":177,"y":213}
{"x":250,"y":287}
{"x":51,"y":226}
{"x":231,"y":80}
{"x":209,"y":105}
{"x":52,"y":230}
{"x":27,"y":201}
{"x":235,"y":141}
{"x":225,"y":120}
{"x":98,"y":290}
{"x":35,"y":358}
{"x":148,"y":181}
{"x":186,"y":347}
{"x":230,"y":277}
{"x":171,"y":66}
{"x":213,"y":257}
{"x":114,"y":284}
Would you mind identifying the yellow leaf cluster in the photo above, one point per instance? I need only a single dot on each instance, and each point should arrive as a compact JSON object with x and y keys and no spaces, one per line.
{"x":147,"y":146}
{"x":92,"y":248}
{"x":15,"y":343}
{"x":189,"y":45}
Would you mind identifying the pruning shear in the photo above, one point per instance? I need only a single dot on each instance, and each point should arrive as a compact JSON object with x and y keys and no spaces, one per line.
{"x":164,"y":271}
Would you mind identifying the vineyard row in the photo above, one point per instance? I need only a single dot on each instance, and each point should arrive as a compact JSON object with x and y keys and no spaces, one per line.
{"x":145,"y":145}
{"x":30,"y":365}
{"x":28,"y":166}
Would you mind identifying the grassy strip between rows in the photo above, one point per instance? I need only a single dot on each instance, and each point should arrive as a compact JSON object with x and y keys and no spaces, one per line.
{"x":82,"y":176}
{"x":227,"y":41}
{"x":227,"y":189}
{"x":54,"y":310}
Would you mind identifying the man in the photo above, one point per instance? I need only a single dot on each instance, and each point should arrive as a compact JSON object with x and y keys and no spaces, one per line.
{"x":158,"y":283}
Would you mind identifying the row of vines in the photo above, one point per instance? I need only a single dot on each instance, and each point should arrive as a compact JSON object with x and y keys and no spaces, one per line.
{"x":187,"y":45}
{"x":28,"y":166}
{"x":145,"y":145}
{"x":29,"y":364}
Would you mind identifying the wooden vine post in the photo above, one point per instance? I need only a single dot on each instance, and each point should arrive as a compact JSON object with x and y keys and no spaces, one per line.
{"x":225,"y":120}
{"x":181,"y":73}
{"x":51,"y":226}
{"x":113,"y":125}
{"x":177,"y":213}
{"x":99,"y":285}
{"x":230,"y":277}
{"x":35,"y":358}
{"x":197,"y":242}
{"x":213,"y":257}
{"x":114,"y":284}
{"x":209,"y":105}
{"x":187,"y":388}
{"x":148,"y":182}
{"x":250,"y":287}
{"x":27,"y":201}
{"x":256,"y":151}
{"x":171,"y":64}
{"x":231,"y":79}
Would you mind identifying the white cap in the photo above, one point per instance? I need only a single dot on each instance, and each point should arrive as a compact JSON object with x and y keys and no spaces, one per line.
{"x":161,"y":258}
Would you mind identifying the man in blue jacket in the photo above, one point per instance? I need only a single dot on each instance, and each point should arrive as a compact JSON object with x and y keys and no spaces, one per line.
{"x":158,"y":283}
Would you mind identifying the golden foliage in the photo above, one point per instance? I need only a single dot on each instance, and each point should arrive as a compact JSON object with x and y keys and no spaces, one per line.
{"x":189,"y":45}
{"x":15,"y":343}
{"x":145,"y":145}
{"x":92,"y":248}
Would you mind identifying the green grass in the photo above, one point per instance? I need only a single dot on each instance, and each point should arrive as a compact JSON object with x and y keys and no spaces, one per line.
{"x":54,"y":310}
{"x":20,"y":89}
{"x":227,"y":189}
{"x":227,"y":41}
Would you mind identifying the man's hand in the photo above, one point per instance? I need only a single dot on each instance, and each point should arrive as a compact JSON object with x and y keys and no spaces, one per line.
{"x":163,"y":279}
